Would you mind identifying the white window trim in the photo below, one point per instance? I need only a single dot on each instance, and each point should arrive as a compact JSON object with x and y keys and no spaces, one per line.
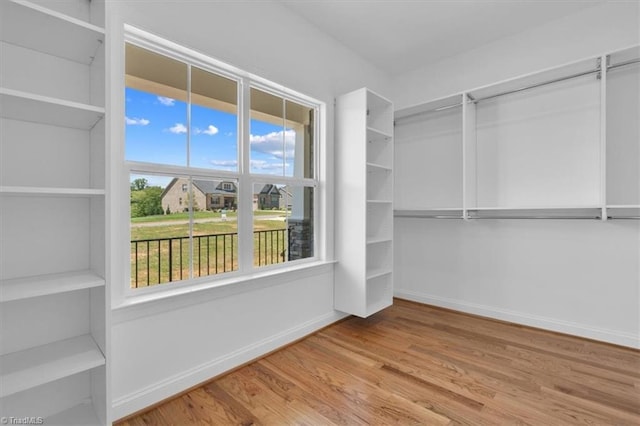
{"x":123,"y":295}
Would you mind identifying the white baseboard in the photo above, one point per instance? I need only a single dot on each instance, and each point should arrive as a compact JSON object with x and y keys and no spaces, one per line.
{"x":575,"y":329}
{"x":142,"y":398}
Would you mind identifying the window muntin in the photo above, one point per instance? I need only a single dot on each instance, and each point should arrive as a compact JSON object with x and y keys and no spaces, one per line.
{"x":282,"y":136}
{"x":216,"y":155}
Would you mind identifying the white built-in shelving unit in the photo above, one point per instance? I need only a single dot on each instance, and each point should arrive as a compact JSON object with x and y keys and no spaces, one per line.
{"x":53,"y":296}
{"x":560,"y":143}
{"x":364,"y":203}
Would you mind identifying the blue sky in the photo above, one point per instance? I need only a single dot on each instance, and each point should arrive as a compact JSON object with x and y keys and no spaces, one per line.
{"x":156,"y":132}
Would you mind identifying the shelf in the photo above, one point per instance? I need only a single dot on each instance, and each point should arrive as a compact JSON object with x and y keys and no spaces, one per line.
{"x":623,"y":211}
{"x":43,"y":285}
{"x":33,"y":367}
{"x":38,"y":28}
{"x":535,"y":80}
{"x":379,"y":201}
{"x":18,"y":105}
{"x":623,"y":206}
{"x":441,"y":104}
{"x":375,"y":135}
{"x":531,"y":208}
{"x":378,"y":240}
{"x":45,"y":191}
{"x":378,"y":167}
{"x":454,"y":213}
{"x":378,"y":306}
{"x":374,"y":273}
{"x":566,"y":212}
{"x":81,"y":415}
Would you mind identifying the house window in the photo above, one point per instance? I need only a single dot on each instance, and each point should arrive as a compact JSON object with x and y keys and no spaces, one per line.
{"x":183,"y":143}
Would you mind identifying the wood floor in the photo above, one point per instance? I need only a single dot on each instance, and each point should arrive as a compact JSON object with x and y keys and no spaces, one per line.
{"x":416,"y":364}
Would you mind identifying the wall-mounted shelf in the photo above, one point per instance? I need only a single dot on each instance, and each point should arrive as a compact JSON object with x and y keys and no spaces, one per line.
{"x":18,"y":105}
{"x":436,"y":213}
{"x":43,"y":285}
{"x":53,"y":209}
{"x":43,"y":364}
{"x":623,"y":211}
{"x":51,"y":192}
{"x":536,"y":146}
{"x":23,"y":24}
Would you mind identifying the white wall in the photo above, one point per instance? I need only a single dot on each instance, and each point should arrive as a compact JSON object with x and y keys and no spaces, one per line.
{"x":591,"y":32}
{"x":161,"y":348}
{"x":580,"y":277}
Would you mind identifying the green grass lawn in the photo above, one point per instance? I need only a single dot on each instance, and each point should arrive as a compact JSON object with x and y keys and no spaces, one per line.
{"x":201,"y":215}
{"x":211,"y":255}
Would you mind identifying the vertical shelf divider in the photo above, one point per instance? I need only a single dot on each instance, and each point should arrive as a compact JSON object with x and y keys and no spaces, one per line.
{"x":469,"y":176}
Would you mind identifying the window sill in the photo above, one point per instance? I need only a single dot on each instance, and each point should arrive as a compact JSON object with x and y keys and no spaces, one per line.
{"x":142,"y":305}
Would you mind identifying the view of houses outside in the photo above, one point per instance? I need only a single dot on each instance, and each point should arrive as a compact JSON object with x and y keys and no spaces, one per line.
{"x":162,"y":249}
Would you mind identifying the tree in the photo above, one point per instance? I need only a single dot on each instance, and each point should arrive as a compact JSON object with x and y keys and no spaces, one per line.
{"x":147,"y":201}
{"x":139,"y":184}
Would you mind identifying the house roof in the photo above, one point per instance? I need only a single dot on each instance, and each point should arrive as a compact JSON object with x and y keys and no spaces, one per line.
{"x":270,"y":189}
{"x":214,"y":187}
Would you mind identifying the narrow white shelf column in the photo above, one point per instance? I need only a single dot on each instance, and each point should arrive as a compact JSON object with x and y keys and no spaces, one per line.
{"x":364,"y":164}
{"x":43,"y":364}
{"x":43,"y":285}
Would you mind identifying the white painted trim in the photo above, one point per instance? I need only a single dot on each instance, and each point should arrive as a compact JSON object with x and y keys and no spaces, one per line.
{"x":170,"y":386}
{"x":560,"y":326}
{"x":180,"y":296}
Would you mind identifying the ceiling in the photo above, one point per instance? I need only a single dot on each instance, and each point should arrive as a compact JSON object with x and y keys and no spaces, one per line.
{"x":402,"y":35}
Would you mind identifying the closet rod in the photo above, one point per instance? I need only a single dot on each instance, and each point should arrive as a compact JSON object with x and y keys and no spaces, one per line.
{"x":623,"y":64}
{"x":415,"y":114}
{"x":533,"y":86}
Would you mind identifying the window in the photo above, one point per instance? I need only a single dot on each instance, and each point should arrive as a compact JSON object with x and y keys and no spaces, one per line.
{"x":208,"y":198}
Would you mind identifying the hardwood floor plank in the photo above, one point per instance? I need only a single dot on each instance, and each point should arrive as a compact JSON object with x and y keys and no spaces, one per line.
{"x":418,"y":364}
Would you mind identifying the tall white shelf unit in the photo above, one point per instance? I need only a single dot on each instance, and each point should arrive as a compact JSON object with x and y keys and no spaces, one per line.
{"x":53,"y":293}
{"x":364,"y":203}
{"x":560,"y":143}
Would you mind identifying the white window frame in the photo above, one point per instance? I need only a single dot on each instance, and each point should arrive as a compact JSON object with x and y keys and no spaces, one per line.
{"x":244,"y":179}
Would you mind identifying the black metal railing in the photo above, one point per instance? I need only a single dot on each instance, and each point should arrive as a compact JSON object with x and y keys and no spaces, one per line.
{"x":268,"y":252}
{"x":162,"y":260}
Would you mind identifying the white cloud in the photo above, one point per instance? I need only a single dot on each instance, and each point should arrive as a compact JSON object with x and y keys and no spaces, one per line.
{"x":210,"y":130}
{"x":166,"y":101}
{"x":224,"y":163}
{"x":178,"y":128}
{"x":229,"y":134}
{"x":136,"y":121}
{"x":272,"y":143}
{"x":267,"y":167}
